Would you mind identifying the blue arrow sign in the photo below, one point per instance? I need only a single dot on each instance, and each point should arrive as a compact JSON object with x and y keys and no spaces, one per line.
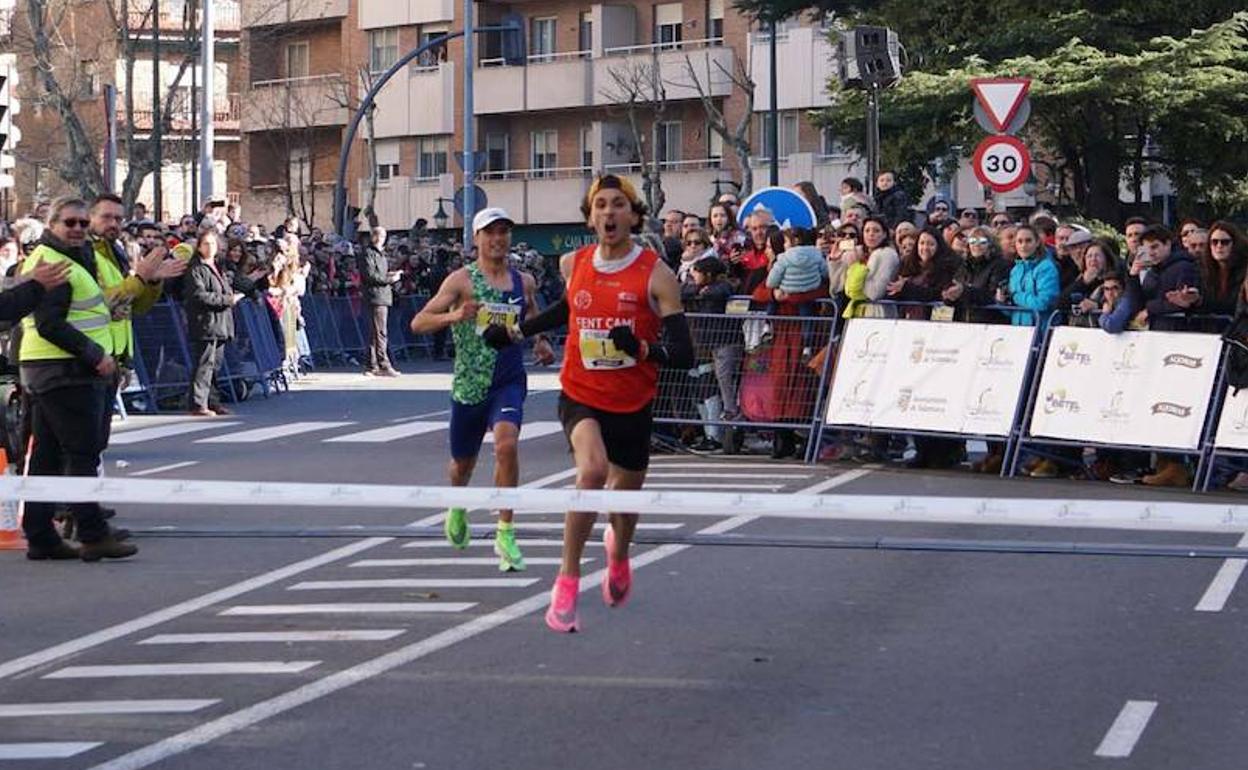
{"x":788,"y":208}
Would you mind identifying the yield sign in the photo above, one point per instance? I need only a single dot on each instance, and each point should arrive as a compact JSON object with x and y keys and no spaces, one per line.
{"x":1001,"y":98}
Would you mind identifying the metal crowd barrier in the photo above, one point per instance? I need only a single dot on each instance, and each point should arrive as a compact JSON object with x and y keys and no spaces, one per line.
{"x":754,"y":372}
{"x":338,"y":328}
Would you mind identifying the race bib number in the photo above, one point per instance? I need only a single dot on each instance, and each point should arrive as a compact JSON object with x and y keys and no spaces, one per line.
{"x":501,"y":313}
{"x":598,"y":352}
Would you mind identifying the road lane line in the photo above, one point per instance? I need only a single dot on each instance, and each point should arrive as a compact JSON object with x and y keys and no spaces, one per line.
{"x":357,"y":608}
{"x":703,"y":475}
{"x":259,"y":712}
{"x":339,"y":585}
{"x":167,"y":431}
{"x":1219,"y":591}
{"x":183,"y":669}
{"x":279,"y":637}
{"x":532,"y":430}
{"x":103,"y":707}
{"x":425,"y":416}
{"x":451,"y":561}
{"x":95,"y":639}
{"x":557,"y":526}
{"x":531,"y":542}
{"x":44,"y":750}
{"x":1126,"y":730}
{"x":721,"y":465}
{"x":392,"y":433}
{"x":256,"y":435}
{"x":725,"y":487}
{"x":163,"y":468}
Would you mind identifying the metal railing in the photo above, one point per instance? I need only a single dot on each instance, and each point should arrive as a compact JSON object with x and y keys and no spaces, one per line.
{"x":679,"y":45}
{"x":226,"y":113}
{"x":297,"y":81}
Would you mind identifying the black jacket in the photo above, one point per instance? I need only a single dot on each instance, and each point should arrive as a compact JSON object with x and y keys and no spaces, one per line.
{"x":893,"y":205}
{"x":980,"y":279}
{"x":1174,"y":272}
{"x":206,"y":297}
{"x":373,"y":270}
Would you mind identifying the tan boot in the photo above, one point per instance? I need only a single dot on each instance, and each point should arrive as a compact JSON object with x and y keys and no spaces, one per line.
{"x":1170,"y":473}
{"x":106,"y":548}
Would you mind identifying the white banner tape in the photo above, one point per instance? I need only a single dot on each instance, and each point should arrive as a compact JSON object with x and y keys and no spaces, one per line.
{"x":1085,"y":514}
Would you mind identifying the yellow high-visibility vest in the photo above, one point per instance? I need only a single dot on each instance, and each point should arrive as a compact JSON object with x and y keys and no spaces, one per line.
{"x":88,"y":312}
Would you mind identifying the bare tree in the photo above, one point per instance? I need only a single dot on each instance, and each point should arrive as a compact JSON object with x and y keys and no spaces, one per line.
{"x":641,"y":95}
{"x":344,"y":98}
{"x":736,"y":137}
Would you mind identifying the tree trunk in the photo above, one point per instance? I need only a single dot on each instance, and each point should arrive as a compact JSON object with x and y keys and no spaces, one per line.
{"x":1101,"y":166}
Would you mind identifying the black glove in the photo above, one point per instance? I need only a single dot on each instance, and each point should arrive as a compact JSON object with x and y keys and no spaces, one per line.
{"x":625,"y":341}
{"x":496,"y":336}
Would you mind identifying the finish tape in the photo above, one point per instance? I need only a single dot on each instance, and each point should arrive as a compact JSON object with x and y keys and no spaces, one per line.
{"x":1086,"y":514}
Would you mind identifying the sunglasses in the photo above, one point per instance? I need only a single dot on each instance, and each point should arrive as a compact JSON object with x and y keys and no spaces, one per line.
{"x":1220,"y":241}
{"x":76,"y":222}
{"x":942,"y":209}
{"x":977,"y":241}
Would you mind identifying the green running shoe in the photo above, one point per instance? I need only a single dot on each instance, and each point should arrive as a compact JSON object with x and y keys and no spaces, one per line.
{"x":509,"y":557}
{"x":456,"y":527}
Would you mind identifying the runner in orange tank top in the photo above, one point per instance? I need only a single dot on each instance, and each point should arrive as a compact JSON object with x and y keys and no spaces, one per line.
{"x":625,"y":319}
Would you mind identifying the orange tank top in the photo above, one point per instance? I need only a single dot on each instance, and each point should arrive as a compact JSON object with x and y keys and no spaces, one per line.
{"x":594,"y":372}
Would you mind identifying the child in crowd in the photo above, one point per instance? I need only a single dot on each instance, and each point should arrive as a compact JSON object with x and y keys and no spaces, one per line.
{"x":801,"y":268}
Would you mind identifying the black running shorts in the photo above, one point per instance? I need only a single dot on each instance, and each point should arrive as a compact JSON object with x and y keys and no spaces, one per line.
{"x":626,"y":436}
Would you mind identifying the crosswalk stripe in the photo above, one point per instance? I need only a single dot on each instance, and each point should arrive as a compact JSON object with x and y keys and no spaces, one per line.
{"x":390,"y":433}
{"x":451,"y":561}
{"x":557,"y":526}
{"x":256,"y":435}
{"x":45,"y":750}
{"x":362,"y":608}
{"x":166,"y":431}
{"x":280,"y":637}
{"x":95,"y":707}
{"x":704,"y":475}
{"x":724,"y":487}
{"x":183,"y":669}
{"x":528,"y":542}
{"x":679,"y":461}
{"x":531,"y":430}
{"x":333,"y":585}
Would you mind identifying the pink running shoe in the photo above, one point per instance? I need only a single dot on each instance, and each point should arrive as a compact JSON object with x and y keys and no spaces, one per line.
{"x":617,"y":583}
{"x":561,"y":617}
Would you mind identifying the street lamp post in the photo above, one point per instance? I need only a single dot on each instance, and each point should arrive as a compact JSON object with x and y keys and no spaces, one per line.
{"x":440,"y":217}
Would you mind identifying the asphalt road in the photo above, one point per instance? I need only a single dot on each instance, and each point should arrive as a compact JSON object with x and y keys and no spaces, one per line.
{"x":727,"y":657}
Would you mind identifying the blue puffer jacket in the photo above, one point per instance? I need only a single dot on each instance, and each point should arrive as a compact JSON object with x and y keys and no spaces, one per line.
{"x":1034,"y":284}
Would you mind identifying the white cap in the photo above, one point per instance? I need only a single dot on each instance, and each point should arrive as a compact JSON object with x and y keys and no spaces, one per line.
{"x":487,"y":217}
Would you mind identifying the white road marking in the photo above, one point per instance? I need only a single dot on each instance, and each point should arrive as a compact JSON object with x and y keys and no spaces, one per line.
{"x":340,"y":585}
{"x":451,"y":561}
{"x":1126,"y":730}
{"x":183,"y":669}
{"x":531,"y":542}
{"x":722,"y":487}
{"x":95,"y":707}
{"x":163,"y":468}
{"x":724,"y":476}
{"x":835,"y":481}
{"x":557,"y":526}
{"x":256,"y":435}
{"x":44,"y":750}
{"x":425,"y":416}
{"x":167,"y":431}
{"x":532,"y":430}
{"x":75,"y":646}
{"x":359,"y":608}
{"x":392,"y":433}
{"x":1219,"y":591}
{"x":280,"y":637}
{"x":681,"y":462}
{"x":259,"y":712}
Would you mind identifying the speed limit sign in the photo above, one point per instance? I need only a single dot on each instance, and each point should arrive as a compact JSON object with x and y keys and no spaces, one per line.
{"x":1002,"y":163}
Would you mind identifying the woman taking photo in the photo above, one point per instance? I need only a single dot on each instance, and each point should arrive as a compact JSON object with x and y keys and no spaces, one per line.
{"x":209,"y":301}
{"x":875,"y":265}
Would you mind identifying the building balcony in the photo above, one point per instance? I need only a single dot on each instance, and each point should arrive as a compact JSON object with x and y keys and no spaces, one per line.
{"x":307,"y":102}
{"x":578,"y":79}
{"x":226,"y":19}
{"x":402,"y":200}
{"x":267,"y":13}
{"x":805,"y":60}
{"x":225,"y":114}
{"x":420,"y":101}
{"x":400,"y":13}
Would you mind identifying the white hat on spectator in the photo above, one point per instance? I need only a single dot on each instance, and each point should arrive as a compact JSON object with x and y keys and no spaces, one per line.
{"x":1079,"y":237}
{"x":487,"y":217}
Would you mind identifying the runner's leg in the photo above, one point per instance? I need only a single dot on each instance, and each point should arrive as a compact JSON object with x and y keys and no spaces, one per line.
{"x":592,"y":472}
{"x":506,"y":460}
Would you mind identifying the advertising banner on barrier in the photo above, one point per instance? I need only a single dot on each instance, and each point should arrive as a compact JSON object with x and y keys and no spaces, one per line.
{"x":923,"y":375}
{"x":1142,"y":388}
{"x":1233,"y":424}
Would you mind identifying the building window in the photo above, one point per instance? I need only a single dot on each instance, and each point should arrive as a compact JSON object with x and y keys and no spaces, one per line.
{"x":386,"y":172}
{"x":715,"y":20}
{"x":497,"y":153}
{"x":587,"y":147}
{"x":545,"y":154}
{"x":433,"y":152}
{"x":88,"y":79}
{"x":431,"y":58}
{"x":297,"y":60}
{"x":383,"y":49}
{"x":788,"y":135}
{"x":387,"y":160}
{"x":668,"y":24}
{"x":667,"y":138}
{"x":299,"y":168}
{"x":542,"y":39}
{"x":585,"y":38}
{"x":714,"y":145}
{"x":829,"y":145}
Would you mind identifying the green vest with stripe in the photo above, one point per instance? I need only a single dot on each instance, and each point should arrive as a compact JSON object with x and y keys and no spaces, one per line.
{"x":88,"y":312}
{"x":110,"y":276}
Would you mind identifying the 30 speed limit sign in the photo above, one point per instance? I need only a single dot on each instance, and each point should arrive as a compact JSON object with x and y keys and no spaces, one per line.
{"x":1002,"y":163}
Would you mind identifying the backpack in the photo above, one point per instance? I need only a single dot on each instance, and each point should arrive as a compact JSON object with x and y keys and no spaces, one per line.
{"x":1236,"y":339}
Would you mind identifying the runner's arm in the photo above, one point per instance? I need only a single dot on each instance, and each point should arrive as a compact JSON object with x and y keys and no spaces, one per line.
{"x":437,"y":313}
{"x":675,"y":345}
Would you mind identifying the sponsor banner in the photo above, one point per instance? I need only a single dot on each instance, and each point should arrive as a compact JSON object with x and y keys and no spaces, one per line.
{"x":1135,"y":388}
{"x":1233,"y":425}
{"x":921,"y":375}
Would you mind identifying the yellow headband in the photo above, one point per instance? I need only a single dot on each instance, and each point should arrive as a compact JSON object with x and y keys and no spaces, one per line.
{"x":624,"y":186}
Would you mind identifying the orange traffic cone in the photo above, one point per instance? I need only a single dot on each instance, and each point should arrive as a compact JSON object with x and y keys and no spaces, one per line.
{"x":11,"y":538}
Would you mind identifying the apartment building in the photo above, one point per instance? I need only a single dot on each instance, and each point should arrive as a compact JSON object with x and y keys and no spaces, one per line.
{"x":89,"y":40}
